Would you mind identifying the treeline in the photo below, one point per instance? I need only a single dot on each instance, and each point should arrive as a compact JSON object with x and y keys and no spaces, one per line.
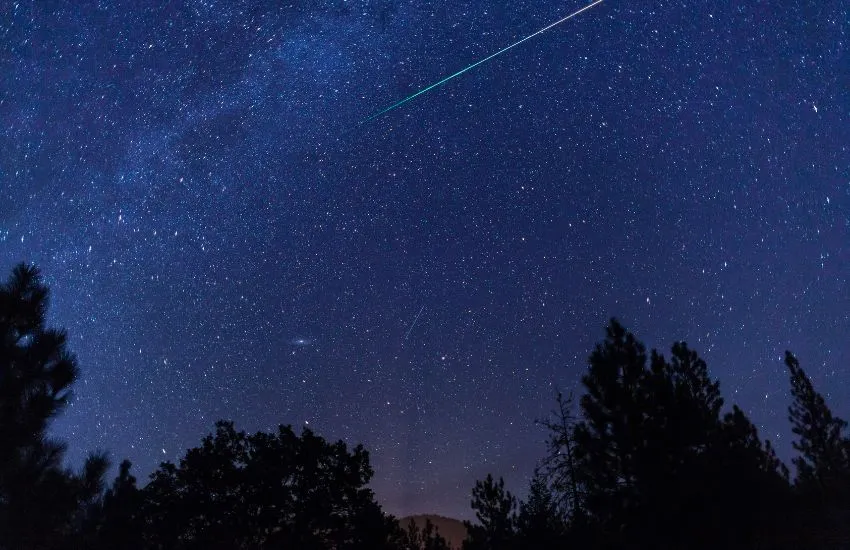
{"x":651,"y":460}
{"x":648,"y":457}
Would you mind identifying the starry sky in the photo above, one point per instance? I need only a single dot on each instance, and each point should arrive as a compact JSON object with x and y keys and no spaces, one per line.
{"x":224,"y":239}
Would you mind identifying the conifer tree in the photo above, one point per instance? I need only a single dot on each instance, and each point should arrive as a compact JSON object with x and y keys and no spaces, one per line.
{"x":431,"y":537}
{"x":559,"y":464}
{"x":658,"y":464}
{"x":121,"y":519}
{"x":495,"y":509}
{"x":540,"y":522}
{"x":40,"y":501}
{"x":427,"y":538}
{"x":823,"y":468}
{"x":609,"y":437}
{"x":412,"y":539}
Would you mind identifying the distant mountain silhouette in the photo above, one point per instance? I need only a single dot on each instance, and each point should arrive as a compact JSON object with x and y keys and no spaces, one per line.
{"x":451,"y":529}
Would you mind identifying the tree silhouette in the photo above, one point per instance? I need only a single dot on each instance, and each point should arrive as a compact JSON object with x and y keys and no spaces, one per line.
{"x":495,"y":509}
{"x":266,"y":491}
{"x":658,"y":465}
{"x":823,"y":467}
{"x":427,"y":538}
{"x":609,"y":435}
{"x":559,"y":464}
{"x":540,"y":522}
{"x":651,"y":461}
{"x":118,"y":522}
{"x":40,"y":502}
{"x":742,"y":486}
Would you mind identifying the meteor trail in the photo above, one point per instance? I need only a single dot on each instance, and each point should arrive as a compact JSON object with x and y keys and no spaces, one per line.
{"x":488,"y":58}
{"x":413,"y":324}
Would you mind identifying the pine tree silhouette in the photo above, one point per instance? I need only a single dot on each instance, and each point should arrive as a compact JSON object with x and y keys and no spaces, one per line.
{"x":412,"y":539}
{"x":823,"y":468}
{"x":559,"y":464}
{"x":659,"y":466}
{"x":823,"y":465}
{"x":120,"y":518}
{"x":541,"y":522}
{"x":41,"y":503}
{"x":608,"y":438}
{"x":431,"y":538}
{"x":427,"y":538}
{"x":495,"y":509}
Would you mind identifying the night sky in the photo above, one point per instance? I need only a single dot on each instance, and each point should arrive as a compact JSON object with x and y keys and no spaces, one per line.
{"x":224,"y":239}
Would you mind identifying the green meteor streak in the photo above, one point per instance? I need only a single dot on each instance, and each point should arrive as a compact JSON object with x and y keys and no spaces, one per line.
{"x":488,"y":58}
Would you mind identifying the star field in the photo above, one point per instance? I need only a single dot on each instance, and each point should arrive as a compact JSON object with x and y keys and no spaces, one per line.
{"x":223,"y":239}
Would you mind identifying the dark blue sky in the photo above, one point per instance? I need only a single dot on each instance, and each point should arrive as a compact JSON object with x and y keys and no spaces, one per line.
{"x":224,"y":240}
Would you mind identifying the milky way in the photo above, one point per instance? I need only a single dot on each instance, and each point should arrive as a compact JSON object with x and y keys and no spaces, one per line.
{"x":221,"y":244}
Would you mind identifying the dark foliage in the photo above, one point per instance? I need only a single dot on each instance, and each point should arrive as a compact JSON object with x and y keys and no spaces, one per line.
{"x":559,"y":464}
{"x":651,"y":461}
{"x":659,"y":465}
{"x":42,"y":504}
{"x":495,"y":510}
{"x":277,"y":490}
{"x":540,"y":523}
{"x":427,"y":538}
{"x":119,"y":521}
{"x":823,"y":464}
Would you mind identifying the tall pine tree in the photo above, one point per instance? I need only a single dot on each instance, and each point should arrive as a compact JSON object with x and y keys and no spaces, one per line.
{"x":823,"y":468}
{"x":40,"y":501}
{"x":609,"y":437}
{"x":540,"y":522}
{"x":120,"y":522}
{"x":559,"y":464}
{"x":495,"y":509}
{"x":426,"y":538}
{"x":659,"y":466}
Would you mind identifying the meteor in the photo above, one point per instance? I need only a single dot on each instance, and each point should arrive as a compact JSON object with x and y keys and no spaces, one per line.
{"x":488,"y":58}
{"x":413,"y":324}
